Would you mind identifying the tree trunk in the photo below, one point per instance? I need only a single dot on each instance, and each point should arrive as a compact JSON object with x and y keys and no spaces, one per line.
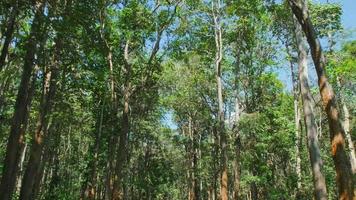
{"x":125,"y":128}
{"x":41,"y":171}
{"x":48,"y":92}
{"x":113,"y":138}
{"x":221,"y":127}
{"x":10,"y":28}
{"x":237,"y":167}
{"x":237,"y":144}
{"x":192,"y":160}
{"x":16,"y":137}
{"x":91,"y":191}
{"x":309,"y":118}
{"x":121,"y":153}
{"x":296,"y":93}
{"x":342,"y":163}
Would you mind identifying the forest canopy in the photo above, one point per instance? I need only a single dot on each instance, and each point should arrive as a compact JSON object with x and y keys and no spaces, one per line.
{"x":177,"y":99}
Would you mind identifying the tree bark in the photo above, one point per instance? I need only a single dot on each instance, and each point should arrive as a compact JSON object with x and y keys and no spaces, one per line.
{"x":309,"y":118}
{"x":16,"y":137}
{"x":342,"y":163}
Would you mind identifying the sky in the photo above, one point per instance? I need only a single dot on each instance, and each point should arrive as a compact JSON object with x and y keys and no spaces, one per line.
{"x":349,"y":13}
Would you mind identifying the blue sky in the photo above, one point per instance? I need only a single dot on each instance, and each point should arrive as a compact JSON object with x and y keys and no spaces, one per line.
{"x":349,"y":13}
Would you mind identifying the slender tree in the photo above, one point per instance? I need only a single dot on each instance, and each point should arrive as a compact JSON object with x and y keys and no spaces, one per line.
{"x":309,"y":118}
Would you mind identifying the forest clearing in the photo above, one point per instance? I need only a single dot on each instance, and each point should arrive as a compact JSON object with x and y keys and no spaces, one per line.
{"x":177,"y":99}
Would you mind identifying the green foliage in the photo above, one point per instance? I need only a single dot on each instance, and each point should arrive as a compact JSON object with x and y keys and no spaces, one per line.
{"x":173,"y":140}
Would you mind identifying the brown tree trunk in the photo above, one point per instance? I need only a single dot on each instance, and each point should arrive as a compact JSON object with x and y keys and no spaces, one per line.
{"x":36,"y":150}
{"x":16,"y":137}
{"x":309,"y":118}
{"x":41,"y":171}
{"x":342,"y":163}
{"x":10,"y":28}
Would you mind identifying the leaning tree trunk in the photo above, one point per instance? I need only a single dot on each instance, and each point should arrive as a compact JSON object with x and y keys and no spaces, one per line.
{"x":309,"y":118}
{"x":16,"y":137}
{"x":342,"y":163}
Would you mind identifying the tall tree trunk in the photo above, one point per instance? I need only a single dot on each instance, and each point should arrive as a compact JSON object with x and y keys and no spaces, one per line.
{"x":125,"y":128}
{"x":221,"y":127}
{"x":10,"y":29}
{"x":113,"y":138}
{"x":16,"y":137}
{"x":237,"y":144}
{"x":309,"y":118}
{"x":296,"y":93}
{"x":342,"y":163}
{"x":36,"y":150}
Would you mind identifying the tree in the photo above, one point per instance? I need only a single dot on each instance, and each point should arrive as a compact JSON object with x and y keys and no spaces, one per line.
{"x":18,"y":127}
{"x":309,"y":118}
{"x":342,"y":164}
